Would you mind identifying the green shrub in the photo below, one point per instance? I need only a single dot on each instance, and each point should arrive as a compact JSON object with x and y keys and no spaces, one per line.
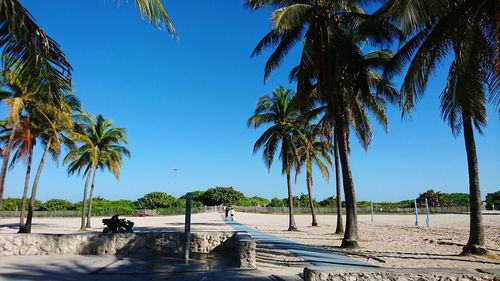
{"x":57,"y":205}
{"x":254,"y":202}
{"x":155,"y":200}
{"x":276,"y":202}
{"x":14,"y":204}
{"x":119,"y":206}
{"x":214,"y":196}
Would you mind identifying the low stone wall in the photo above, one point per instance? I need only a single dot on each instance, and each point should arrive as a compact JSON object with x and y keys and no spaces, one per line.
{"x":246,"y":250}
{"x":163,"y":243}
{"x":331,"y":274}
{"x":239,"y":244}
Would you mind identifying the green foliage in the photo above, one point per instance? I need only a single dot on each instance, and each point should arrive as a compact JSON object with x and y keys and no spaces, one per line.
{"x":57,"y":205}
{"x":155,"y":200}
{"x":457,"y":199}
{"x":122,"y":207}
{"x":276,"y":202}
{"x":434,"y":198}
{"x":254,"y":201}
{"x":439,"y":199}
{"x":330,"y":202}
{"x":213,"y":196}
{"x":493,"y":198}
{"x":14,"y":204}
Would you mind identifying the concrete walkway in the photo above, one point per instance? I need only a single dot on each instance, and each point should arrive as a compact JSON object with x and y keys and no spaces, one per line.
{"x":314,"y":255}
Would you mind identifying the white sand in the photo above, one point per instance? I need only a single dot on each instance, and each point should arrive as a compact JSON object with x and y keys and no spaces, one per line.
{"x":390,"y":241}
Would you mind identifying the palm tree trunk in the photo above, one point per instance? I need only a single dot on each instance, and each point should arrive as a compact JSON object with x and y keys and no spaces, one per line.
{"x":22,"y":228}
{"x":351,"y":229}
{"x":309,"y":191}
{"x":6,"y":157}
{"x":291,"y":223}
{"x":31,"y":208}
{"x":340,"y":223}
{"x":475,"y":245}
{"x":84,"y":203}
{"x":89,"y":213}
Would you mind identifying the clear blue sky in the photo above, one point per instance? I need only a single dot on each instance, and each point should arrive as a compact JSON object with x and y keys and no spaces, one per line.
{"x":185,"y":104}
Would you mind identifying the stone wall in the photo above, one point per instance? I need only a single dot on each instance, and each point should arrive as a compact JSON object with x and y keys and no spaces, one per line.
{"x":331,"y":274}
{"x":105,"y":243}
{"x":239,"y":244}
{"x":246,"y":250}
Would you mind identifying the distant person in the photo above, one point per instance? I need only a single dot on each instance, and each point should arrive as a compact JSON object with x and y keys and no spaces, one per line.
{"x":232,"y":214}
{"x":226,"y":210}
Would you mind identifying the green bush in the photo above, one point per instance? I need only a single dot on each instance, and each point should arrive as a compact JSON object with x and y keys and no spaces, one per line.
{"x":276,"y":202}
{"x":14,"y":204}
{"x":493,"y":198}
{"x":254,"y":202}
{"x":123,"y":207}
{"x":57,"y":205}
{"x":155,"y":200}
{"x":214,"y":196}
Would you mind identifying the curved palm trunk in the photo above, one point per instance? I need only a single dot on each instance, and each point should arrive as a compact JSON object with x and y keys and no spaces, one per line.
{"x":6,"y":157}
{"x":89,"y":213}
{"x":351,"y":228}
{"x":84,"y":202}
{"x":22,"y":228}
{"x":475,"y":245}
{"x":340,"y":223}
{"x":291,"y":223}
{"x":34,"y":189}
{"x":311,"y":204}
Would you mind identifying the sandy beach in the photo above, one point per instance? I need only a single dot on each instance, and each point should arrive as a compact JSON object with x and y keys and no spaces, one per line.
{"x":390,"y":241}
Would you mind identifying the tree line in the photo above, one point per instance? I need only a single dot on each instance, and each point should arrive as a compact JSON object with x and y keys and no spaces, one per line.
{"x":231,"y":197}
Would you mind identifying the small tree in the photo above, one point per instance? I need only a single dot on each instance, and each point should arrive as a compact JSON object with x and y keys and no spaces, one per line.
{"x":155,"y":200}
{"x":435,"y":199}
{"x":214,"y":196}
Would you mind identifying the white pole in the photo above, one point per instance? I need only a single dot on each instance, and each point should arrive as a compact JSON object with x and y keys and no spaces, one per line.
{"x":372,"y":210}
{"x":428,"y":221}
{"x":416,"y":212}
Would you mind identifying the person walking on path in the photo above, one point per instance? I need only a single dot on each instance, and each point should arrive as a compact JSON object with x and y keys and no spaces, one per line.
{"x":232,"y":214}
{"x":226,"y":210}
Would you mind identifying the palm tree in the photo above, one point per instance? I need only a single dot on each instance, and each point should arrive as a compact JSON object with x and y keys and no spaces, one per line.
{"x":23,"y":145}
{"x":101,"y":148}
{"x":468,"y":31}
{"x":33,"y":56}
{"x":56,"y":121}
{"x":312,"y":149}
{"x":28,"y":97}
{"x":279,"y":110}
{"x":332,"y":59}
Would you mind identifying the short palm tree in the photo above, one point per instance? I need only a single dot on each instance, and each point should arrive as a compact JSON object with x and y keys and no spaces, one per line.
{"x":101,"y":147}
{"x":311,"y":148}
{"x":468,"y":31}
{"x":280,"y":111}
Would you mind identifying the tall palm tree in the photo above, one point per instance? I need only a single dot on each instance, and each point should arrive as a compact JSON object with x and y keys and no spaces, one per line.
{"x":34,"y":56}
{"x":312,"y":149}
{"x":279,"y":110}
{"x":101,"y":147}
{"x":468,"y":31}
{"x":27,"y":98}
{"x":56,"y":120}
{"x":330,"y":31}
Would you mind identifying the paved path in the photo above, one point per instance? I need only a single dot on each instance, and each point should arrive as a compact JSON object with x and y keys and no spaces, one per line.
{"x":314,"y":255}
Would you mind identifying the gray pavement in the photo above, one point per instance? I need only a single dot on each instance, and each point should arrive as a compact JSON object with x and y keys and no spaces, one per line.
{"x":86,"y":268}
{"x":314,"y":255}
